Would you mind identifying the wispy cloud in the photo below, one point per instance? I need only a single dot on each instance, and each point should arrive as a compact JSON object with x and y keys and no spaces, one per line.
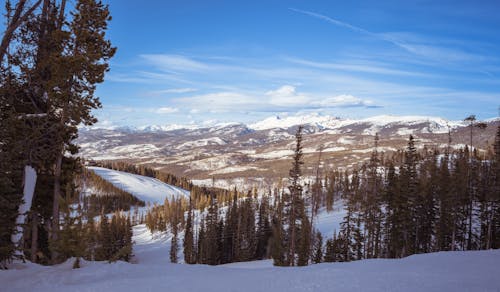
{"x":367,"y":67}
{"x":171,"y":91}
{"x":174,"y":63}
{"x":425,"y":50}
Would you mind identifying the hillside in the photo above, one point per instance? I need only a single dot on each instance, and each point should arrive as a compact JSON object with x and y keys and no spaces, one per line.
{"x":259,"y":153}
{"x":147,"y":189}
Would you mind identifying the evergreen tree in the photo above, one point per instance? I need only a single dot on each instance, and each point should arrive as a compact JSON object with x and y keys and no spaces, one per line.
{"x":409,"y":190}
{"x":263,"y":229}
{"x":318,"y":248}
{"x":330,"y":251}
{"x":173,"y":244}
{"x":188,"y":244}
{"x":296,"y":216}
{"x":278,"y":246}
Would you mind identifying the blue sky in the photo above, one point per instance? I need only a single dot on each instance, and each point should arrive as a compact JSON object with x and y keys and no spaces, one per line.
{"x":191,"y":61}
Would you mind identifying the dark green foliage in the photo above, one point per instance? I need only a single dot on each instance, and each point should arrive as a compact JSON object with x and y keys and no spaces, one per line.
{"x":318,"y":248}
{"x":330,"y":251}
{"x":264,"y":231}
{"x":174,"y":247}
{"x":188,"y":244}
{"x":114,"y":239}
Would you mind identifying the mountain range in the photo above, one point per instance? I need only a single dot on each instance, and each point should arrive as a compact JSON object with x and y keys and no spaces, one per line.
{"x":259,"y":153}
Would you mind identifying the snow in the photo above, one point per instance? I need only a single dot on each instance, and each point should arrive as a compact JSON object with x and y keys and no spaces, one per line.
{"x":211,"y":163}
{"x":133,"y":150}
{"x":28,"y":191}
{"x":166,"y":128}
{"x":405,"y":131}
{"x":273,"y":154}
{"x":437,"y":124}
{"x":290,"y":121}
{"x":349,"y":140}
{"x":323,"y":122}
{"x":202,"y":142}
{"x":328,"y":223}
{"x":151,"y":271}
{"x":145,"y":188}
{"x":232,"y":169}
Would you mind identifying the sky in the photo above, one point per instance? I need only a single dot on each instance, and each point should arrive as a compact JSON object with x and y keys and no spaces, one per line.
{"x":182,"y":62}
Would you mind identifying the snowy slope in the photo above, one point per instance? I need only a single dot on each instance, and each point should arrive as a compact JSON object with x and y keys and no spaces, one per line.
{"x":145,"y":188}
{"x":444,"y":271}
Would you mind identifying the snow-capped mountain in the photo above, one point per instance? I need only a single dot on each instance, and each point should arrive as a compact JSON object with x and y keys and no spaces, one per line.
{"x":260,"y":151}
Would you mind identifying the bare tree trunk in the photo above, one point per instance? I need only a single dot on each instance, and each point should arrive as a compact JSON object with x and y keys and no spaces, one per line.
{"x":17,"y":19}
{"x":34,"y":237}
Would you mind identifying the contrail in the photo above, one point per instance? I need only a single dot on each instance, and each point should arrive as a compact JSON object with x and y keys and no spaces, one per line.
{"x":353,"y":28}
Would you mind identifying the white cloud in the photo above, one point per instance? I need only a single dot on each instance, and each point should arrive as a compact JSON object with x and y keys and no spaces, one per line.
{"x":166,"y":110}
{"x":344,"y":100}
{"x":284,"y":98}
{"x":174,"y":63}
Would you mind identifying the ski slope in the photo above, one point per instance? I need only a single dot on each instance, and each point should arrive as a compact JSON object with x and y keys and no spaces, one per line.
{"x":145,"y":188}
{"x":443,"y":271}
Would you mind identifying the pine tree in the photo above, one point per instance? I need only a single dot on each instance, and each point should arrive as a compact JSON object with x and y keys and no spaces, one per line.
{"x":278,"y":243}
{"x":212,"y":239}
{"x":304,"y":248}
{"x":230,"y":233}
{"x":201,"y":245}
{"x":188,"y":244}
{"x":330,"y":182}
{"x":296,"y":216}
{"x":318,"y":248}
{"x":173,"y":245}
{"x":409,"y":190}
{"x":247,"y":241}
{"x":396,"y":206}
{"x":445,"y":222}
{"x":263,"y":229}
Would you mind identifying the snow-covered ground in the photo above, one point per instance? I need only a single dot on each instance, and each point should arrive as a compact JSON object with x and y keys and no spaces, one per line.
{"x":151,"y":271}
{"x":145,"y":188}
